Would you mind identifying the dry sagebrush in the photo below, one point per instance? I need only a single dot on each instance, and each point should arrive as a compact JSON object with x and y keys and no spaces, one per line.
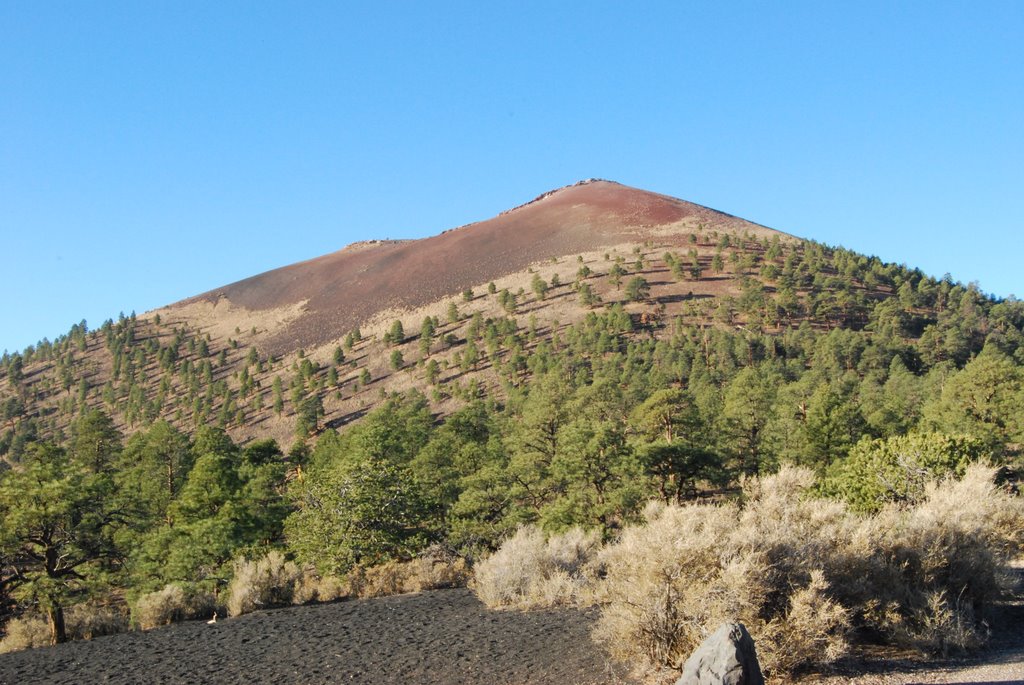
{"x":532,"y":571}
{"x":262,"y":584}
{"x":433,"y":569}
{"x":312,"y":587}
{"x":82,"y":622}
{"x":798,"y":570}
{"x":172,"y":604}
{"x":274,"y":581}
{"x":87,"y":621}
{"x":25,"y":632}
{"x":672,"y":581}
{"x":929,"y":574}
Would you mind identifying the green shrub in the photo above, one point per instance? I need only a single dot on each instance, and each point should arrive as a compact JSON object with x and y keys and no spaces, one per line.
{"x":898,"y":469}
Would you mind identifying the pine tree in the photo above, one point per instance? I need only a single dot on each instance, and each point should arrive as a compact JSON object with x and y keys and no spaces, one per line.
{"x":615,"y":275}
{"x":638,"y":289}
{"x":396,"y":335}
{"x":539,"y":287}
{"x":278,"y":396}
{"x":426,"y":335}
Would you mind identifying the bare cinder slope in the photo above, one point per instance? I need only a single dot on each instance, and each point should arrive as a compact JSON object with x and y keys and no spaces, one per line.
{"x":216,"y":357}
{"x":341,"y":290}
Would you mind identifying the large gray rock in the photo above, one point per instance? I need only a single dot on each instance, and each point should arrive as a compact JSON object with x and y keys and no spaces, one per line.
{"x":727,"y":657}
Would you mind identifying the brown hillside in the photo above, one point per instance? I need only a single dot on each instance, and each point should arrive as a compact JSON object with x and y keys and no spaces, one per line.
{"x":215,"y":358}
{"x":345,"y":288}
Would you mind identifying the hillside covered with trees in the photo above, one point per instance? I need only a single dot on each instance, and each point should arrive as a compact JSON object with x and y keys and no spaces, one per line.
{"x":156,"y":450}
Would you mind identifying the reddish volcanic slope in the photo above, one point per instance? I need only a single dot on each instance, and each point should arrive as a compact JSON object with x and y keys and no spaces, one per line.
{"x":348,"y":287}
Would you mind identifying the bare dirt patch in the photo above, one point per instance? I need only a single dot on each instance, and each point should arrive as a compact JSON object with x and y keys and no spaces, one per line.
{"x":221,"y":318}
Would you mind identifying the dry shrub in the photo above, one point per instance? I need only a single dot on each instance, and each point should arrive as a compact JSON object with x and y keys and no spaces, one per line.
{"x":929,"y":574}
{"x":307,"y":588}
{"x":672,"y":580}
{"x":331,"y":588}
{"x":172,"y":604}
{"x":312,"y":587}
{"x":801,"y":571}
{"x":529,"y":571}
{"x":261,"y":584}
{"x":432,"y":570}
{"x":86,"y":621}
{"x":354,"y":583}
{"x":436,"y":569}
{"x":25,"y":632}
{"x":815,"y":627}
{"x":81,"y":622}
{"x":379,"y":581}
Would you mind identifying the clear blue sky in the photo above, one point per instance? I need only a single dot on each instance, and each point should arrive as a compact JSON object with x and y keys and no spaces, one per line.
{"x":153,"y":150}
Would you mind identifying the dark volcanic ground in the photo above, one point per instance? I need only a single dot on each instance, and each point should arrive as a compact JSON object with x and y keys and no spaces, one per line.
{"x":442,"y":637}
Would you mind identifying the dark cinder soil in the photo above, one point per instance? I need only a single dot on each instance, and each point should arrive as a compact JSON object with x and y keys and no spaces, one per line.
{"x":442,"y":637}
